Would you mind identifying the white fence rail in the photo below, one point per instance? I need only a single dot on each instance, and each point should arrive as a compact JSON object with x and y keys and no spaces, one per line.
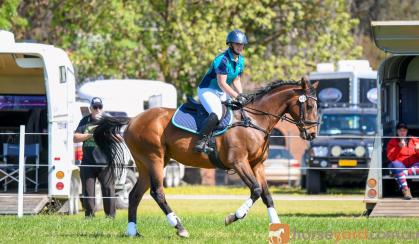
{"x":22,"y":164}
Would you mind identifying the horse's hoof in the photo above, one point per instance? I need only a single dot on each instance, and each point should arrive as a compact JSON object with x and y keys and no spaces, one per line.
{"x":137,"y":234}
{"x":132,"y":230}
{"x":230,"y":219}
{"x":183,"y":233}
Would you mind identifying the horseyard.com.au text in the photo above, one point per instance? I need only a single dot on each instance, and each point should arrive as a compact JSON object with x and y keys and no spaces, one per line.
{"x":281,"y":233}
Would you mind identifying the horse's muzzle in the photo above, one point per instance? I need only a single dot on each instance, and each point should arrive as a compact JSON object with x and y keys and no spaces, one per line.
{"x":311,"y":136}
{"x":307,"y":136}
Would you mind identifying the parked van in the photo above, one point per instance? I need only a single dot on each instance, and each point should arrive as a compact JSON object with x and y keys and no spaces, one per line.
{"x":37,"y":87}
{"x":129,"y":97}
{"x":398,"y":83}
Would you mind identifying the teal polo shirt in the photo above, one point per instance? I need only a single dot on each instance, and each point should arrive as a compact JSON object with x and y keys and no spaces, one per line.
{"x":223,"y":64}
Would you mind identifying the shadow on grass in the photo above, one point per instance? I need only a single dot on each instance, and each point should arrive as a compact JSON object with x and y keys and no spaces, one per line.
{"x":330,"y":191}
{"x":323,"y":215}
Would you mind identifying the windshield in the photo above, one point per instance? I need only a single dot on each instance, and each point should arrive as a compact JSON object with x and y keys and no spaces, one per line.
{"x":22,"y":102}
{"x":279,"y":153}
{"x":334,"y":124}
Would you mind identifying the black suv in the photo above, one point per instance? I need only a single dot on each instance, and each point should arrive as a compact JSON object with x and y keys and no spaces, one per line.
{"x":344,"y":143}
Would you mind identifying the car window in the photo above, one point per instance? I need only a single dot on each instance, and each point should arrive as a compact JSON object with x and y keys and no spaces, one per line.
{"x":279,"y":153}
{"x":333,"y":124}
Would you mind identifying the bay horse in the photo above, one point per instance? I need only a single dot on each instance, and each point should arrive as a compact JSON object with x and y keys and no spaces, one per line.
{"x":152,"y":140}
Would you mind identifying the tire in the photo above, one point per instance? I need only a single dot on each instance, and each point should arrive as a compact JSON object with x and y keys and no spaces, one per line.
{"x":313,"y":182}
{"x":295,"y":183}
{"x":303,"y":181}
{"x":98,"y":196}
{"x":122,"y":201}
{"x":73,"y":202}
{"x":172,"y":177}
{"x":304,"y":163}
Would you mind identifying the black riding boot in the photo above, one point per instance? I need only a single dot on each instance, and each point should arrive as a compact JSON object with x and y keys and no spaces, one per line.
{"x":207,"y":127}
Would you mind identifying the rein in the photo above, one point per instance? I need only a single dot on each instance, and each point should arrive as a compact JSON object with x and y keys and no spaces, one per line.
{"x":301,"y":123}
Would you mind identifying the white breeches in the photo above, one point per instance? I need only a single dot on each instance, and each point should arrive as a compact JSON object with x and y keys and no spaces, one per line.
{"x":211,"y":100}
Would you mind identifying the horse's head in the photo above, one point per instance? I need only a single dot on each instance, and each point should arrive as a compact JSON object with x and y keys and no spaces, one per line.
{"x":303,"y":109}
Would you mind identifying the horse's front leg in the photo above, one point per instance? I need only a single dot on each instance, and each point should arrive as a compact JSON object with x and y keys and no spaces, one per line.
{"x":246,"y":174}
{"x":259,"y":171}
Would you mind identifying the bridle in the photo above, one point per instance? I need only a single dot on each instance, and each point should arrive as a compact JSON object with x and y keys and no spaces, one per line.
{"x":302,"y":123}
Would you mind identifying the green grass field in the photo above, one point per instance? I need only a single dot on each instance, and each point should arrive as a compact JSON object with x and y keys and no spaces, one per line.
{"x":204,"y":220}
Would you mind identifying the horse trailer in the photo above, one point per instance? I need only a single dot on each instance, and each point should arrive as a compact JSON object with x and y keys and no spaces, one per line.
{"x":398,"y":86}
{"x":353,"y":82}
{"x":37,"y":87}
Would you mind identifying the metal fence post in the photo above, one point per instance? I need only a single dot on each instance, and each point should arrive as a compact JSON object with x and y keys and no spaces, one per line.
{"x":21,"y":171}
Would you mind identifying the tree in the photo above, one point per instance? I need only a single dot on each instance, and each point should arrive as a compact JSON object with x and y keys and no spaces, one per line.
{"x":372,"y":10}
{"x":175,"y":40}
{"x":9,"y":15}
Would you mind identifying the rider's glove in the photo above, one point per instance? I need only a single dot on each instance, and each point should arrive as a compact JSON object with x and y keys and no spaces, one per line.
{"x":241,"y":100}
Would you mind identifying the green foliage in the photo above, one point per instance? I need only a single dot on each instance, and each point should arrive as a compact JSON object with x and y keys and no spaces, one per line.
{"x":9,"y":16}
{"x":176,"y":40}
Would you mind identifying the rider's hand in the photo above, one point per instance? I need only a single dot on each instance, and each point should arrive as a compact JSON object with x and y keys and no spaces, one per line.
{"x":241,"y":99}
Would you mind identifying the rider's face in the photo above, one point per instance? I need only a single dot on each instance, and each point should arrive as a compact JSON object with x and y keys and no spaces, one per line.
{"x":238,"y":48}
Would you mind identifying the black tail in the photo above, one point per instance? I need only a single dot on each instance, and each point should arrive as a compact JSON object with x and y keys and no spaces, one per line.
{"x":108,"y":139}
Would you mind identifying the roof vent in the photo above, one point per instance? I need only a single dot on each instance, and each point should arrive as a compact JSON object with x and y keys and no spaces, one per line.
{"x":325,"y":67}
{"x":354,"y":65}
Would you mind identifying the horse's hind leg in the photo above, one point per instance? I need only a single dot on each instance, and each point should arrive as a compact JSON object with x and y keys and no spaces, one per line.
{"x":156,"y":191}
{"x":135,"y":196}
{"x":246,"y":174}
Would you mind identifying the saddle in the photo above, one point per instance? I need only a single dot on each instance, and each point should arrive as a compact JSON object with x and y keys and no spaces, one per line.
{"x":190,"y":115}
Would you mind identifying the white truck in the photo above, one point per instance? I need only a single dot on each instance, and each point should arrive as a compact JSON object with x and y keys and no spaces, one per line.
{"x":130,"y":97}
{"x":353,"y":82}
{"x":37,"y":87}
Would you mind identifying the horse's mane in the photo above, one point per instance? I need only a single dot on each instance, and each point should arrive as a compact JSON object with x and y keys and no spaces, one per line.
{"x":263,"y":90}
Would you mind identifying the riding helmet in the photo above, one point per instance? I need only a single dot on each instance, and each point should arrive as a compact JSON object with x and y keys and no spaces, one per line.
{"x":236,"y":36}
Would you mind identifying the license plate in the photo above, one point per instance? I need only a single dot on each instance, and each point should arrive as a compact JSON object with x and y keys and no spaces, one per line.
{"x":344,"y":162}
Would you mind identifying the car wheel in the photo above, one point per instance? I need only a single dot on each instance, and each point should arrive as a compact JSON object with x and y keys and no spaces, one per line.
{"x":295,"y":183}
{"x":122,"y":201}
{"x":73,"y":202}
{"x":303,"y":181}
{"x":172,"y":177}
{"x":313,"y":182}
{"x":98,"y":195}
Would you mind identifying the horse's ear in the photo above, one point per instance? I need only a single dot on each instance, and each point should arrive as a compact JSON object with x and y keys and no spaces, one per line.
{"x":304,"y":82}
{"x":315,"y":84}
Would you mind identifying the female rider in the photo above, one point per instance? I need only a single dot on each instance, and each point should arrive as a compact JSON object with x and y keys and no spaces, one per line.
{"x":221,"y":82}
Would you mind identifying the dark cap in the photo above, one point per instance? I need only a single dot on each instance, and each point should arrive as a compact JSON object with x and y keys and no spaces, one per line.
{"x":96,"y":101}
{"x":401,"y":125}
